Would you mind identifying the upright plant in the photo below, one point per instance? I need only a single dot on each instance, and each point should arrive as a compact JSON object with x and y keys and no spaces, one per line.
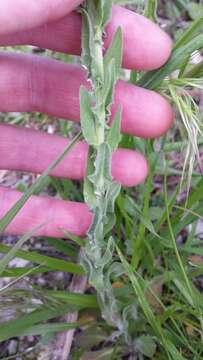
{"x":100,"y":191}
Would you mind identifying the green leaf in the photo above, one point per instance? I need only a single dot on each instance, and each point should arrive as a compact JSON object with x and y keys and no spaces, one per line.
{"x":102,"y":166}
{"x":95,"y":12}
{"x":112,"y":193}
{"x":114,"y":134}
{"x":146,"y":345}
{"x":115,"y":51}
{"x":128,"y":2}
{"x":190,"y":33}
{"x":100,"y":12}
{"x":195,"y":10}
{"x":63,"y":246}
{"x":11,"y":254}
{"x":20,"y":325}
{"x":151,"y":10}
{"x":87,"y":45}
{"x":105,"y":354}
{"x":111,"y":196}
{"x":78,"y":301}
{"x":24,"y":271}
{"x":96,"y":229}
{"x":196,"y":71}
{"x":107,"y":11}
{"x":167,"y":345}
{"x":51,"y":263}
{"x":110,"y":82}
{"x":90,"y":337}
{"x":87,"y":117}
{"x":133,"y":209}
{"x":73,"y":237}
{"x":112,"y":67}
{"x":89,"y":194}
{"x":44,"y":329}
{"x":153,"y":79}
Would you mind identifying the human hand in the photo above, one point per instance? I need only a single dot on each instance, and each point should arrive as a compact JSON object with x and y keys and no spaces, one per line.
{"x":33,"y":83}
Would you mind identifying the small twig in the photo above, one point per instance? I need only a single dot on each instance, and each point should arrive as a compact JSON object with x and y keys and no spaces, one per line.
{"x":78,"y":285}
{"x":64,"y":340}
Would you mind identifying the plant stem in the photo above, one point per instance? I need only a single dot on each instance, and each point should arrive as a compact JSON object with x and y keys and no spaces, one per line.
{"x":100,"y":191}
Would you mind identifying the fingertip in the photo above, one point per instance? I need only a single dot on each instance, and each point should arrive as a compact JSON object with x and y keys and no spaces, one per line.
{"x":146,"y":46}
{"x":160,"y":48}
{"x":165,"y":118}
{"x":145,"y":114}
{"x":161,"y":116}
{"x":129,"y":167}
{"x":82,"y":219}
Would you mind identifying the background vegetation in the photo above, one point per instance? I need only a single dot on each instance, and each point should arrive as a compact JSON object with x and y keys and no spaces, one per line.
{"x":158,"y":231}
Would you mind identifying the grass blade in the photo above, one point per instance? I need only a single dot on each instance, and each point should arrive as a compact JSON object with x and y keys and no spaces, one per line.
{"x":50,"y":262}
{"x":153,"y":79}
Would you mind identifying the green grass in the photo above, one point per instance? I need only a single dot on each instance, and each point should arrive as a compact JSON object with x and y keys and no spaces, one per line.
{"x":155,"y":279}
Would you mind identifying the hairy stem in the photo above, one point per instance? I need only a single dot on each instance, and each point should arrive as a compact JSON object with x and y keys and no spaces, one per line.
{"x":100,"y":191}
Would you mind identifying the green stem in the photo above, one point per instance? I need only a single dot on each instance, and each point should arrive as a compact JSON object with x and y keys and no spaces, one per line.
{"x":97,"y":256}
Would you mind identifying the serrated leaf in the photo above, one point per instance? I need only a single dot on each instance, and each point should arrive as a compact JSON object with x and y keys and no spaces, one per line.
{"x":107,"y":256}
{"x":102,"y":166}
{"x":115,"y":51}
{"x":109,"y":203}
{"x":86,"y":58}
{"x":87,"y":117}
{"x":89,"y":194}
{"x":96,"y":230}
{"x":87,"y":41}
{"x":114,"y":134}
{"x":110,"y":81}
{"x":112,"y":194}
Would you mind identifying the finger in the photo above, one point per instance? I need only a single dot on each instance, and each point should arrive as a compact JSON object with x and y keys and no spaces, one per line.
{"x":57,"y":215}
{"x":32,"y":151}
{"x":32,"y":83}
{"x":64,"y":35}
{"x":22,"y":15}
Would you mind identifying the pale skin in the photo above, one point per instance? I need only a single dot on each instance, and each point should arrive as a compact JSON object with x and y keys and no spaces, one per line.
{"x":32,"y":83}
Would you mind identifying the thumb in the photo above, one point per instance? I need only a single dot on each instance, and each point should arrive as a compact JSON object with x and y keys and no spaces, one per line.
{"x":23,"y":14}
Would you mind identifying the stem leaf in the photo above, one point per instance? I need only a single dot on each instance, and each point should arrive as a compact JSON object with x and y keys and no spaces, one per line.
{"x":114,"y":135}
{"x":87,"y":117}
{"x":115,"y":52}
